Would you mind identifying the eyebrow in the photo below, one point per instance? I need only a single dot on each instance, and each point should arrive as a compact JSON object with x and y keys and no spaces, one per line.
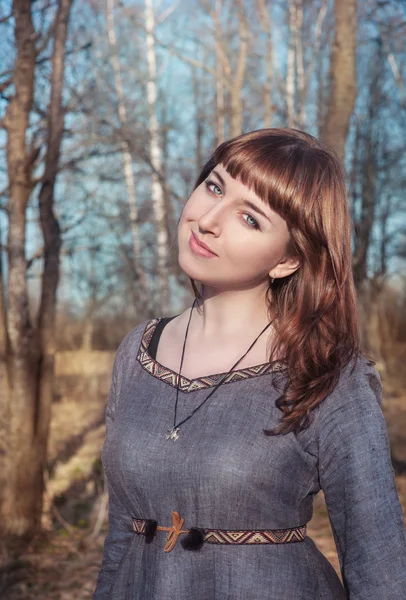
{"x":253,"y":206}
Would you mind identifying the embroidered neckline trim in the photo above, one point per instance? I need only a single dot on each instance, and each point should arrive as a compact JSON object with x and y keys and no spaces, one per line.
{"x":169,"y":376}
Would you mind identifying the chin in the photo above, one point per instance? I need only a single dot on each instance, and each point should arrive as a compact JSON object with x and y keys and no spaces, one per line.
{"x":202,"y":275}
{"x":189,"y":267}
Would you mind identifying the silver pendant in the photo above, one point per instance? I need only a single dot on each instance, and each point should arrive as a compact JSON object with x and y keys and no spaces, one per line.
{"x":173,"y":433}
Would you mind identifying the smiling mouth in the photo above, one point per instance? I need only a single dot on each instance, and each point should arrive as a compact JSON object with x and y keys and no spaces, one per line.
{"x":199,"y":248}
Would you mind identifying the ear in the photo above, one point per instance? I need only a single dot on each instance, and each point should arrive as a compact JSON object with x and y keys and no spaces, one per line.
{"x":285,"y":267}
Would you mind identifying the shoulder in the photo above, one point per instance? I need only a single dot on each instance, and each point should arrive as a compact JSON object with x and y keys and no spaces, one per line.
{"x":358,"y":379}
{"x":359,"y":375}
{"x":356,"y":398}
{"x":358,"y":392}
{"x":131,"y":342}
{"x":355,"y":401}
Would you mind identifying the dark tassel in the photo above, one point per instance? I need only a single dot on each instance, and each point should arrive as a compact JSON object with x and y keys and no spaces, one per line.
{"x":193,"y":540}
{"x":150,"y":529}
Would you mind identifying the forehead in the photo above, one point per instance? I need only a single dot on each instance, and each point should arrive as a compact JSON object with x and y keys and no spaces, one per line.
{"x":239,"y":187}
{"x":220,"y":170}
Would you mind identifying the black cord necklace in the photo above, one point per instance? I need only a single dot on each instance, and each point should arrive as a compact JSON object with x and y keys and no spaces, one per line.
{"x":174,"y":432}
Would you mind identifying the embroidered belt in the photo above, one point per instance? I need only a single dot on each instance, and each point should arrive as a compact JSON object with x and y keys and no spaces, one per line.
{"x":196,"y":536}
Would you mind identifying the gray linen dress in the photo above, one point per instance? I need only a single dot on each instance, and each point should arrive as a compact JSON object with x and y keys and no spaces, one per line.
{"x":224,"y":473}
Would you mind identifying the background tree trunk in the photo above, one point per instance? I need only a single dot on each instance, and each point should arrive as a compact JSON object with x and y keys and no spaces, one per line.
{"x":265,"y":21}
{"x":141,"y":297}
{"x":31,"y":347}
{"x":158,"y":201}
{"x":19,"y":490}
{"x":220,"y":105}
{"x":236,"y":100}
{"x":343,"y":83}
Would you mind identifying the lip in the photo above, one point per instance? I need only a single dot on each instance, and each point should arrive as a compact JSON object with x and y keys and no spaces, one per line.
{"x":199,"y":247}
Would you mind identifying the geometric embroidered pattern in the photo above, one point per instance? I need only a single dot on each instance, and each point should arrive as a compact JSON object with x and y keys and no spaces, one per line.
{"x":139,"y":525}
{"x":269,"y":536}
{"x":244,"y":536}
{"x":168,"y":376}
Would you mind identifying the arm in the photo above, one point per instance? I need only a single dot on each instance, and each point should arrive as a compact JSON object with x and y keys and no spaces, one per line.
{"x":119,"y":533}
{"x":357,"y":479}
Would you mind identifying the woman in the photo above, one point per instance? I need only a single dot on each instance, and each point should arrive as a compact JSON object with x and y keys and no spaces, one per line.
{"x":215,"y":448}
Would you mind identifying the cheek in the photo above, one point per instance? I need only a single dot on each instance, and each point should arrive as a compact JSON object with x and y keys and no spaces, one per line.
{"x":187,"y":222}
{"x":258,"y":253}
{"x":189,"y":210}
{"x":184,"y":225}
{"x":191,"y":213}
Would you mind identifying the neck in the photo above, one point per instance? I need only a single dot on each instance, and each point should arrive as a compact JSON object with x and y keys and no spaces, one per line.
{"x":230,"y":314}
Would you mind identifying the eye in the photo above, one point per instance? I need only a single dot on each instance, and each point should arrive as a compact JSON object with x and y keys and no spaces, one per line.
{"x":255,"y":224}
{"x":209,"y":185}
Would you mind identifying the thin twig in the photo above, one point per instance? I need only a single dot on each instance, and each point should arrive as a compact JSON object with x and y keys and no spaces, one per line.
{"x":101,"y":514}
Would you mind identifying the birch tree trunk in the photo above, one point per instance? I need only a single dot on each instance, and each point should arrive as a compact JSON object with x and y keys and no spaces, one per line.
{"x":141,"y":297}
{"x":343,"y":84}
{"x":301,"y":81}
{"x":291,"y":66}
{"x":227,"y":78}
{"x":239,"y":75}
{"x":220,"y":105}
{"x":157,"y":193}
{"x":30,"y":348}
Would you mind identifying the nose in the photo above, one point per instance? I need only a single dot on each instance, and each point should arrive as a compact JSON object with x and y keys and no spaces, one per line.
{"x":211,"y":220}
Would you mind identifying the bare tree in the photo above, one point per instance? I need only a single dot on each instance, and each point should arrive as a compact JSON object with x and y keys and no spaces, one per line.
{"x":28,"y":347}
{"x":376,"y":181}
{"x":157,"y":192}
{"x":266,"y":26}
{"x":343,"y":86}
{"x":291,"y":70}
{"x":305,"y":27}
{"x":141,"y":298}
{"x":229,"y":77}
{"x":239,"y":75}
{"x":220,"y":66}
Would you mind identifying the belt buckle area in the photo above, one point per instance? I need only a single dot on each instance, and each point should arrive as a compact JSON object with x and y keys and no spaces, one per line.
{"x":174,"y":531}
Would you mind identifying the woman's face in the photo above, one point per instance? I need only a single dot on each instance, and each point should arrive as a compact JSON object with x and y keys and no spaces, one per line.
{"x":248,"y":238}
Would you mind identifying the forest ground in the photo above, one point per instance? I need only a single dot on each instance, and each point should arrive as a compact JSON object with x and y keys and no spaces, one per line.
{"x":63,"y":564}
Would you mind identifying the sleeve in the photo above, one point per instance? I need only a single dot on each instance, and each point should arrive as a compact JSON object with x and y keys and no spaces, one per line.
{"x":119,"y":533}
{"x":357,"y":478}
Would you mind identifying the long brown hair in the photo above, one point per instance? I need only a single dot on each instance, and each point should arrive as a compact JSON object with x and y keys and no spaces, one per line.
{"x":315,"y":308}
